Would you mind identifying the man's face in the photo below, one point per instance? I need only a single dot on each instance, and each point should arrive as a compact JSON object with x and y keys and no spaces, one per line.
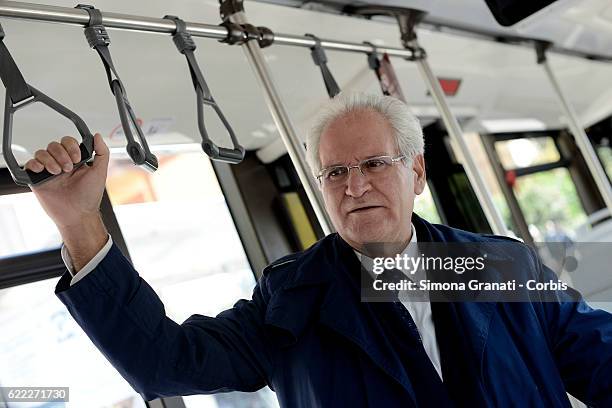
{"x":376,"y":207}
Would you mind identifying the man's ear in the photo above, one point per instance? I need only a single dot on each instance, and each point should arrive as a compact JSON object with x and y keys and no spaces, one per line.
{"x":420,"y":178}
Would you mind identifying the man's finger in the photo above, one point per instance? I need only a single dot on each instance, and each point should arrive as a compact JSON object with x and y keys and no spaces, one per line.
{"x":72,"y":147}
{"x":34,"y":165}
{"x":48,"y":161}
{"x":61,"y":156}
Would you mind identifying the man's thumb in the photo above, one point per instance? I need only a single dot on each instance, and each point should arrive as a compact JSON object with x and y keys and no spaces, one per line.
{"x":102,"y":153}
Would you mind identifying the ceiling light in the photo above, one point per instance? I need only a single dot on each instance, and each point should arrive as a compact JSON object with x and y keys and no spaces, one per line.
{"x":512,"y":125}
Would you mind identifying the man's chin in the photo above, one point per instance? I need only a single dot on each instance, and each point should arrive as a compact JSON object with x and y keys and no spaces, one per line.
{"x":370,"y":236}
{"x":375,"y":234}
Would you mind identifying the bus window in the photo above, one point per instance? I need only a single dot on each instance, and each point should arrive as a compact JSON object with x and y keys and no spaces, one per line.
{"x":183,"y":241}
{"x":425,"y":206}
{"x":518,"y":153}
{"x":483,"y":163}
{"x":600,"y":134}
{"x":24,"y":226}
{"x":42,"y":345}
{"x":539,"y":177}
{"x":605,"y":155}
{"x":550,"y":203}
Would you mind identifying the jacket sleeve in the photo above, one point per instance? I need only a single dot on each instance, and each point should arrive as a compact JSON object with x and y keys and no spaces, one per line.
{"x":581,"y":341}
{"x":126,"y":321}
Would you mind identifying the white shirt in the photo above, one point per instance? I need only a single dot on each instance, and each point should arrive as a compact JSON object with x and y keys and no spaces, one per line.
{"x":419,"y":311}
{"x":91,"y":265}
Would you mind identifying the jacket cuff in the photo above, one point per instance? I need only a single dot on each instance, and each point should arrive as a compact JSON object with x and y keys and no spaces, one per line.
{"x":91,"y":265}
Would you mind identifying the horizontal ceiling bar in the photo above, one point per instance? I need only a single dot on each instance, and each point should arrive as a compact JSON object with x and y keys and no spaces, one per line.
{"x":67,"y":15}
{"x":308,"y":42}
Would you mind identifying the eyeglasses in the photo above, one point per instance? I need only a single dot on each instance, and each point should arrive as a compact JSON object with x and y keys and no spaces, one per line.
{"x":337,"y":175}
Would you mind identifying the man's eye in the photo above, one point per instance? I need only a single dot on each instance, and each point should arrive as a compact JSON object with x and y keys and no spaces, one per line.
{"x":375,"y":163}
{"x":336,"y":173}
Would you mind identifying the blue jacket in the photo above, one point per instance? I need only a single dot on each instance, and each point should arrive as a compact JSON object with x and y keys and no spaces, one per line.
{"x":308,"y":337}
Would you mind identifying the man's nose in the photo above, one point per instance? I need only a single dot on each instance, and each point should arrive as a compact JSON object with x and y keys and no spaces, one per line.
{"x":357,"y":184}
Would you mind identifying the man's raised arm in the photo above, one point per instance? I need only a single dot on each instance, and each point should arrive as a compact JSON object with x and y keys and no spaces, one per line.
{"x":121,"y":313}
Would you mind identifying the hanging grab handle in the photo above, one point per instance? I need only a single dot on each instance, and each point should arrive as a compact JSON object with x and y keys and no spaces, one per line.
{"x":98,"y":39}
{"x":320,"y":59}
{"x":186,"y":46}
{"x":381,"y":65}
{"x":18,"y":95}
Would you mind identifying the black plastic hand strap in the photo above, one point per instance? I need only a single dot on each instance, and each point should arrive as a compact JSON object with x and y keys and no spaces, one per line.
{"x":18,"y":95}
{"x":184,"y":43}
{"x":381,"y":65}
{"x":320,"y":59}
{"x":99,"y":40}
{"x":541,"y":47}
{"x":373,"y":58}
{"x":12,"y":79}
{"x":375,"y":63}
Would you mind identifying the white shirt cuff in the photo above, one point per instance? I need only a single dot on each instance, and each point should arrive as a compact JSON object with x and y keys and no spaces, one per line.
{"x":91,"y":265}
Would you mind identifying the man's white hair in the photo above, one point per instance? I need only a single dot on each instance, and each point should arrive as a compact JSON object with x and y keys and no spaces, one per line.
{"x":408,"y":131}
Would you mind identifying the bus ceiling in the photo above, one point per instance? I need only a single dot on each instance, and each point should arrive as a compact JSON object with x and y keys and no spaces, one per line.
{"x":576,"y":27}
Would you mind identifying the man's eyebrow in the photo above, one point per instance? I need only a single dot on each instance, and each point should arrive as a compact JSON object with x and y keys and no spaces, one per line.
{"x":365,"y":158}
{"x":377,"y":155}
{"x":333,"y":165}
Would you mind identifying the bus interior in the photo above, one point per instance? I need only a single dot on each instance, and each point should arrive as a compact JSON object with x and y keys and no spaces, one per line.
{"x":225,"y":222}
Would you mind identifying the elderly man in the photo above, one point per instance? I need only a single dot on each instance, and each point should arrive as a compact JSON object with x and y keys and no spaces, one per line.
{"x":305,"y":332}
